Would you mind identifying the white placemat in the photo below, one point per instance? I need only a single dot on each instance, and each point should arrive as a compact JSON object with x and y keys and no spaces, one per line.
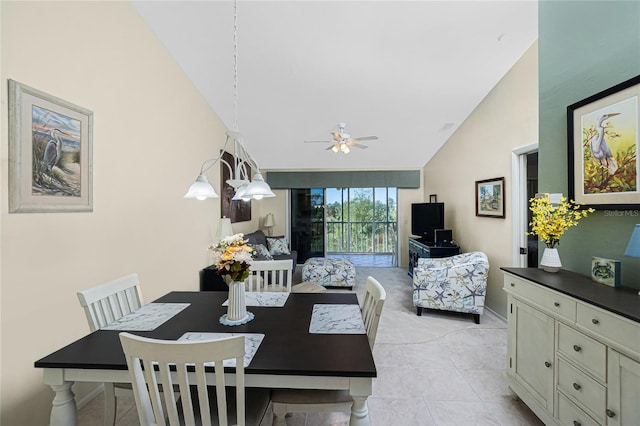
{"x":148,"y":317}
{"x":336,"y":319}
{"x":272,"y":299}
{"x":251,"y":343}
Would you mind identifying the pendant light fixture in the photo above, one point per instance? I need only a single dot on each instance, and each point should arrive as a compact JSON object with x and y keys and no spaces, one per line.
{"x":245,"y":188}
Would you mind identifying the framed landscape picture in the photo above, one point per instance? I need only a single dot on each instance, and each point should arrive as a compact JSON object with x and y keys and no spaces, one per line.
{"x":490,"y":197}
{"x":50,"y":153}
{"x":602,"y":133}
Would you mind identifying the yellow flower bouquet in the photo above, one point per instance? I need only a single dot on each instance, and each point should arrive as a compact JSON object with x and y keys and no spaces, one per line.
{"x":549,"y":223}
{"x":231,"y":258}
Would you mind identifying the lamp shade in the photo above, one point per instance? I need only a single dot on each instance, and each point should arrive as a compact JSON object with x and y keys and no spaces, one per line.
{"x":633,"y":248}
{"x":269,"y":221}
{"x":201,"y":189}
{"x":258,"y":188}
{"x":239,"y":195}
{"x":225,"y":228}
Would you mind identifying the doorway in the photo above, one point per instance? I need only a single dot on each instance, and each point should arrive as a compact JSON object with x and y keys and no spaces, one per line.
{"x":525,"y":186}
{"x":359,"y":224}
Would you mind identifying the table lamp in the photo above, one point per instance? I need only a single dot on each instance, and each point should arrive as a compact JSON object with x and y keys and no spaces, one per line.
{"x":225,"y":228}
{"x":633,"y":248}
{"x":269,"y":223}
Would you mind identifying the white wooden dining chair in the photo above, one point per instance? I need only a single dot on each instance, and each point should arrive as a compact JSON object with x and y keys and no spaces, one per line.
{"x":154,"y":364}
{"x":102,"y":305}
{"x":311,"y":400}
{"x":270,"y":275}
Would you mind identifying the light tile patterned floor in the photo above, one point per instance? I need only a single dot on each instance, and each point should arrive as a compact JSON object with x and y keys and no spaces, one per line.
{"x":438,"y":369}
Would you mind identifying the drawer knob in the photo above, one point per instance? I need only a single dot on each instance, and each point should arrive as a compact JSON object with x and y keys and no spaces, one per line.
{"x":577,"y":386}
{"x":610,"y":413}
{"x":577,"y":348}
{"x":556,"y":304}
{"x":513,"y":285}
{"x":595,"y":321}
{"x":576,"y":423}
{"x":547,"y":364}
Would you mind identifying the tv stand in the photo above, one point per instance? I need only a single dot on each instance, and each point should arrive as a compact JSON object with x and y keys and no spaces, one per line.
{"x":419,"y":247}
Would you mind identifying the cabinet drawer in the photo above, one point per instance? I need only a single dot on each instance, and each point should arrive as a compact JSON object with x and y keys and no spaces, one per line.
{"x":587,"y":353}
{"x":590,"y":394}
{"x":550,"y":300}
{"x":570,"y":415}
{"x":611,"y":327}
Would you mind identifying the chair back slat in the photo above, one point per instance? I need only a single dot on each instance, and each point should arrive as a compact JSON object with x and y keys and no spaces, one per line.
{"x":270,"y":275}
{"x":105,"y":303}
{"x":162,"y":364}
{"x":371,"y":308}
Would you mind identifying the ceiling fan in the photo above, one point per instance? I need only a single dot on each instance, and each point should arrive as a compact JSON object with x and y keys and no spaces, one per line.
{"x":342,"y":141}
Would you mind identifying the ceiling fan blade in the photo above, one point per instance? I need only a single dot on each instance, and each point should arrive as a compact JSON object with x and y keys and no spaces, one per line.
{"x":365,"y":138}
{"x":357,"y":145}
{"x":337,"y":137}
{"x":331,"y":147}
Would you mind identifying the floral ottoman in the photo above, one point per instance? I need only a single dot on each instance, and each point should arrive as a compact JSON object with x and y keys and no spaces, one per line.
{"x":329,"y":272}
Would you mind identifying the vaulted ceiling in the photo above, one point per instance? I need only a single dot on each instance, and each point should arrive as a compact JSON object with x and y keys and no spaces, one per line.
{"x":409,"y":72}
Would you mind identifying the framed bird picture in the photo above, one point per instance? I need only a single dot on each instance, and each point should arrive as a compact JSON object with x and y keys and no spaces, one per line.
{"x":50,"y":153}
{"x":602,"y":134}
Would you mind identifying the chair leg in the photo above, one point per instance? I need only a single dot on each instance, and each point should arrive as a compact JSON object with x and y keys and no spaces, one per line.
{"x":419,"y":312}
{"x":109,"y":404}
{"x":279,"y":411}
{"x":476,"y":318}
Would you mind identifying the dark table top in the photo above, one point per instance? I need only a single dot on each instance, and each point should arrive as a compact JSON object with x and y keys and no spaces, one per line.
{"x":287,"y":349}
{"x":623,"y":301}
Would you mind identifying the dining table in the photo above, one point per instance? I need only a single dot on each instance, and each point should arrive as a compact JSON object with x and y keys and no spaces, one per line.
{"x":299,"y":341}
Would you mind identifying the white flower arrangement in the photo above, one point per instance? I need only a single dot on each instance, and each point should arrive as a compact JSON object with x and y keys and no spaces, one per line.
{"x":231,"y":257}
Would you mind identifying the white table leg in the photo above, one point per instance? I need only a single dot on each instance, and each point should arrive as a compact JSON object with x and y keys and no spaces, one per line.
{"x":359,"y":412}
{"x":63,"y":410}
{"x":360,"y":389}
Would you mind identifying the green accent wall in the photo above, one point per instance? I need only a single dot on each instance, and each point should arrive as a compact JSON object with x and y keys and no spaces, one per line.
{"x":585,"y":47}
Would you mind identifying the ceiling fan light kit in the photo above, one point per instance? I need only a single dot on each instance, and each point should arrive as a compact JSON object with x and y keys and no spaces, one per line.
{"x":343,"y":142}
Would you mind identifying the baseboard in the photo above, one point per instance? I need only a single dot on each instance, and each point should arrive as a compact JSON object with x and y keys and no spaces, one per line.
{"x":500,"y":317}
{"x":90,"y":396}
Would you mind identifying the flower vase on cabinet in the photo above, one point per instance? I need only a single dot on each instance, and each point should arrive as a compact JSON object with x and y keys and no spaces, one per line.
{"x":550,"y":261}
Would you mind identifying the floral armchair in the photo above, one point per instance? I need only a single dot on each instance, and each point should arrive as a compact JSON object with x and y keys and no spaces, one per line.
{"x":456,"y":283}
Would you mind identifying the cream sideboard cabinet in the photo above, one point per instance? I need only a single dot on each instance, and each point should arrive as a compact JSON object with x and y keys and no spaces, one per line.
{"x":573,"y":348}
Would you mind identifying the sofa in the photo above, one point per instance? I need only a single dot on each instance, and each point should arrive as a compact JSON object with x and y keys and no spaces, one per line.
{"x":456,"y":283}
{"x":277,"y":247}
{"x":277,"y":250}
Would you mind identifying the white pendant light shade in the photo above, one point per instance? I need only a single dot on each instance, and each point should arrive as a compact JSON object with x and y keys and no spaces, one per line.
{"x":258,"y":188}
{"x":239,"y":195}
{"x":201,"y":189}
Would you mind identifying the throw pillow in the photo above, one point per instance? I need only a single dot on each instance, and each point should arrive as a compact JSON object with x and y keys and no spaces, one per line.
{"x":262,"y":252}
{"x":278,"y":246}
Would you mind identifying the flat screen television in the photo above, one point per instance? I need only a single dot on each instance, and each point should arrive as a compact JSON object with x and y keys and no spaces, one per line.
{"x":425,"y":219}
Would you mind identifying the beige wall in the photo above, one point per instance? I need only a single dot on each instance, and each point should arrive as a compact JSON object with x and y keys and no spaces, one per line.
{"x":152,"y":130}
{"x":481,"y":149}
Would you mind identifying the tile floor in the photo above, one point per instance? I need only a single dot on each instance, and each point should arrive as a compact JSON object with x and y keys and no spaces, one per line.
{"x":438,"y":369}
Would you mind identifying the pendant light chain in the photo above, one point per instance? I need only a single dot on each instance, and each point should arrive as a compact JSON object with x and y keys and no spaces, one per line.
{"x":235,"y":65}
